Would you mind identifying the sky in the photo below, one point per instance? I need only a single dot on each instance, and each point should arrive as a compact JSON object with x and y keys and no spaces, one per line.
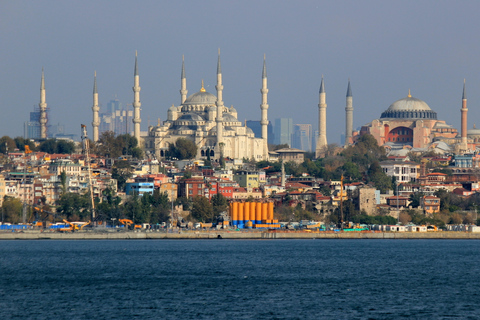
{"x":384,"y":47}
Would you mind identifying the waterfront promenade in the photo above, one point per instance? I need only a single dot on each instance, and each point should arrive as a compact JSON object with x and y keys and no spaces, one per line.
{"x":229,"y":234}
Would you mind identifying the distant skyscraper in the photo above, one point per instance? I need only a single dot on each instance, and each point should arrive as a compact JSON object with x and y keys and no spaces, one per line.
{"x":256,"y":127}
{"x":302,"y":137}
{"x":116,"y":119}
{"x":32,"y":128}
{"x":283,"y":131}
{"x":314,"y":139}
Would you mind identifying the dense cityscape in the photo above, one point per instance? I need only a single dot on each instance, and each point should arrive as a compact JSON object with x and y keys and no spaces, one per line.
{"x":202,"y":169}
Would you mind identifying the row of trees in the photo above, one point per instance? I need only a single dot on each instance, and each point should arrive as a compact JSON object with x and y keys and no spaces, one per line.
{"x":49,"y":145}
{"x":108,"y":145}
{"x":360,"y":162}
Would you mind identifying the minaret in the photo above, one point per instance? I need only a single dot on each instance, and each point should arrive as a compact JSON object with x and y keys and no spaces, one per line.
{"x":349,"y":116}
{"x":219,"y":104}
{"x":322,"y":122}
{"x":136,"y":103}
{"x":43,"y":109}
{"x":183,"y":84}
{"x":464,"y":112}
{"x":95,"y":109}
{"x":264,"y":108}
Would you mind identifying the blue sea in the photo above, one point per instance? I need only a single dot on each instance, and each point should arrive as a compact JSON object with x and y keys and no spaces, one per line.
{"x":237,"y":279}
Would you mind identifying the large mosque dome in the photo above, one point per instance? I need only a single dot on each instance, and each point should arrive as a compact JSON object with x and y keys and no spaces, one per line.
{"x":408,"y":108}
{"x":201,"y":98}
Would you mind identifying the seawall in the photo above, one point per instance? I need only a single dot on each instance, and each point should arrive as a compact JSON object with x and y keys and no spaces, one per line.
{"x":223,"y":234}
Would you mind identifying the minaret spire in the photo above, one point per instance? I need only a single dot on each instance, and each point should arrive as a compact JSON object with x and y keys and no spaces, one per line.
{"x":264,"y":109}
{"x":43,"y":109}
{"x":219,"y":103}
{"x":136,"y":103}
{"x":322,"y":122}
{"x":349,"y":116}
{"x":95,"y":109}
{"x":183,"y":83}
{"x":464,"y":112}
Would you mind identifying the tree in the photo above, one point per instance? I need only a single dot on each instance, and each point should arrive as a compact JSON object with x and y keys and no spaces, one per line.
{"x":122,"y":171}
{"x":21,"y":143}
{"x":108,"y":146}
{"x":415,"y":199}
{"x":12,"y":210}
{"x":63,"y":181}
{"x":74,"y":206}
{"x":202,"y":210}
{"x":48,"y":146}
{"x":65,"y":147}
{"x":7,"y":143}
{"x":183,"y":149}
{"x":219,"y":204}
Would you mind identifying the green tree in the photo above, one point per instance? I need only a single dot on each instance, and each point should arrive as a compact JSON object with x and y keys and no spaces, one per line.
{"x":202,"y":209}
{"x":48,"y":146}
{"x":108,"y":146}
{"x":21,"y":142}
{"x":63,"y":181}
{"x":74,"y":206}
{"x":7,"y":143}
{"x":12,"y":210}
{"x":183,"y":149}
{"x":65,"y":147}
{"x":415,"y":199}
{"x":219,"y":204}
{"x":122,"y":171}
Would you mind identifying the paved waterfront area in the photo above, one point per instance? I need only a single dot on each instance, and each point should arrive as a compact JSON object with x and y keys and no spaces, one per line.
{"x":224,"y":234}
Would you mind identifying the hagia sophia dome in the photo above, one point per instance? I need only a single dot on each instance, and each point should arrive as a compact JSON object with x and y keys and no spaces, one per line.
{"x":410,"y":108}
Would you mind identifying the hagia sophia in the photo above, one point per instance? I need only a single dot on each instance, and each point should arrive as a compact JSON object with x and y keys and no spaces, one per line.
{"x":408,"y":124}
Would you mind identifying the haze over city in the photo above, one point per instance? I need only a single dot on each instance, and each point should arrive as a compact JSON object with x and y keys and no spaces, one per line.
{"x":385,"y":48}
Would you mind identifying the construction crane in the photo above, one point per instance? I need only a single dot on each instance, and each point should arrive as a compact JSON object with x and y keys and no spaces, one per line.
{"x":85,"y":144}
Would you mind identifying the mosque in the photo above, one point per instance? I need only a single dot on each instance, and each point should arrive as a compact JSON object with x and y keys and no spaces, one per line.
{"x":408,"y":124}
{"x":203,"y":119}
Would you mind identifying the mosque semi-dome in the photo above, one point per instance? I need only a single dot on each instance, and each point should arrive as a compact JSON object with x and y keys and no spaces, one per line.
{"x":409,"y":108}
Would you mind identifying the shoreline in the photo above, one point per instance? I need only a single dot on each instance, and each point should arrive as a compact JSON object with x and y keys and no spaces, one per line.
{"x":227,"y":234}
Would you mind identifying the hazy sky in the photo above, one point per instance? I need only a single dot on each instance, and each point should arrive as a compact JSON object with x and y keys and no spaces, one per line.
{"x":384,"y":47}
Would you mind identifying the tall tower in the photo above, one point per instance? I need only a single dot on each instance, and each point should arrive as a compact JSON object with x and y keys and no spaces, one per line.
{"x":219,"y":104}
{"x":95,"y":109}
{"x":322,"y":122}
{"x":349,"y":116}
{"x":43,"y":109}
{"x":183,"y":83}
{"x":464,"y":112}
{"x":136,"y":103}
{"x":264,"y":108}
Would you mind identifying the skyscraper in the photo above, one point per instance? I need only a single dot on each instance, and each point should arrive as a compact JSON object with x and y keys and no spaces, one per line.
{"x":302,"y":137}
{"x":283,"y":131}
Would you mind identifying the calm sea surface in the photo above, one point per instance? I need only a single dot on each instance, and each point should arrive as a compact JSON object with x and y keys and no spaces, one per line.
{"x":236,"y":279}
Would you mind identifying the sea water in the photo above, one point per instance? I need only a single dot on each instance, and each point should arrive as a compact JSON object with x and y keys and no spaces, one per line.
{"x":238,"y":279}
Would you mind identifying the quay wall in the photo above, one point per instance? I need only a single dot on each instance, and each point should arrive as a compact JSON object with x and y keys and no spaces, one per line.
{"x":223,"y":234}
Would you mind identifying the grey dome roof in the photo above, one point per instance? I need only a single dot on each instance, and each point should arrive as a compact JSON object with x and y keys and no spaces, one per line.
{"x":473,"y":132}
{"x":227,"y":117}
{"x":409,"y":108}
{"x":191,"y":117}
{"x":201,"y":98}
{"x":409,"y":104}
